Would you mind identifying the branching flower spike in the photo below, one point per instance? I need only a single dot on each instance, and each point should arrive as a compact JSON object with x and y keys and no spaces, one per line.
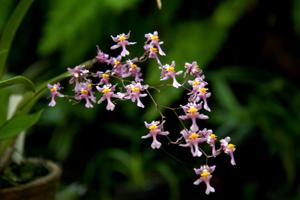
{"x":120,"y":78}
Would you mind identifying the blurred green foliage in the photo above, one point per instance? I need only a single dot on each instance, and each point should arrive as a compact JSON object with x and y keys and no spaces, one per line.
{"x":88,"y":21}
{"x":6,"y":8}
{"x":296,"y":15}
{"x":255,"y":99}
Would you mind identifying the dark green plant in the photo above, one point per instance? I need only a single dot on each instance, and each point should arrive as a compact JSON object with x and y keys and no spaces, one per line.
{"x":16,"y":115}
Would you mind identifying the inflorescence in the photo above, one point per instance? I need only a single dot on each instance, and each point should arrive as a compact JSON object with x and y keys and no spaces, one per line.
{"x":133,"y":88}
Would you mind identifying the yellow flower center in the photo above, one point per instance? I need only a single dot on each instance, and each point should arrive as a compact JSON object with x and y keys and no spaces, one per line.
{"x":231,"y":146}
{"x":117,"y":62}
{"x":133,"y":66}
{"x":205,"y":173}
{"x":152,"y":127}
{"x":193,"y":136}
{"x":105,"y":90}
{"x":122,"y":38}
{"x":105,"y":75}
{"x":192,"y":109}
{"x":170,"y":69}
{"x":154,"y":37}
{"x":84,"y":91}
{"x":203,"y":90}
{"x":53,"y":89}
{"x":195,"y":83}
{"x":213,"y":136}
{"x":135,"y":89}
{"x":153,"y":50}
{"x":90,"y":85}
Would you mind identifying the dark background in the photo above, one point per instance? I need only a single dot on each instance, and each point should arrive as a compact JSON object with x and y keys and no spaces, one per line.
{"x":248,"y":50}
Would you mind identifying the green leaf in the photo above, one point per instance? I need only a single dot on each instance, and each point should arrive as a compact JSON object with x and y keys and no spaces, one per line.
{"x":229,"y":12}
{"x":31,"y":98}
{"x":120,"y":5}
{"x":296,"y":15}
{"x":5,"y":10}
{"x":122,"y":157}
{"x":196,"y":40}
{"x":287,"y":153}
{"x":72,"y":191}
{"x":64,"y":31}
{"x":124,"y":130}
{"x":171,"y":9}
{"x":10,"y":31}
{"x":171,"y":179}
{"x":60,"y":32}
{"x":225,"y":95}
{"x":18,"y":80}
{"x":64,"y":141}
{"x":3,"y":104}
{"x":4,"y":51}
{"x":17,"y":124}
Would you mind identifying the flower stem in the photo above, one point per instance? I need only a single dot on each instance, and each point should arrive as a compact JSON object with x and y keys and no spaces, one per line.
{"x":26,"y":105}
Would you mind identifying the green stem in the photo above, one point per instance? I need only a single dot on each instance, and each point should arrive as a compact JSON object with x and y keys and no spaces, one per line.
{"x":26,"y":105}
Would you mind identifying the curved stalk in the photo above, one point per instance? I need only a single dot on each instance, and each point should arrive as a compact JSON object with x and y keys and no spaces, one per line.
{"x":25,"y":106}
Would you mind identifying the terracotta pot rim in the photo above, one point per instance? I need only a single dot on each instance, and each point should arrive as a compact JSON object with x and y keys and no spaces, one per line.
{"x":54,"y":174}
